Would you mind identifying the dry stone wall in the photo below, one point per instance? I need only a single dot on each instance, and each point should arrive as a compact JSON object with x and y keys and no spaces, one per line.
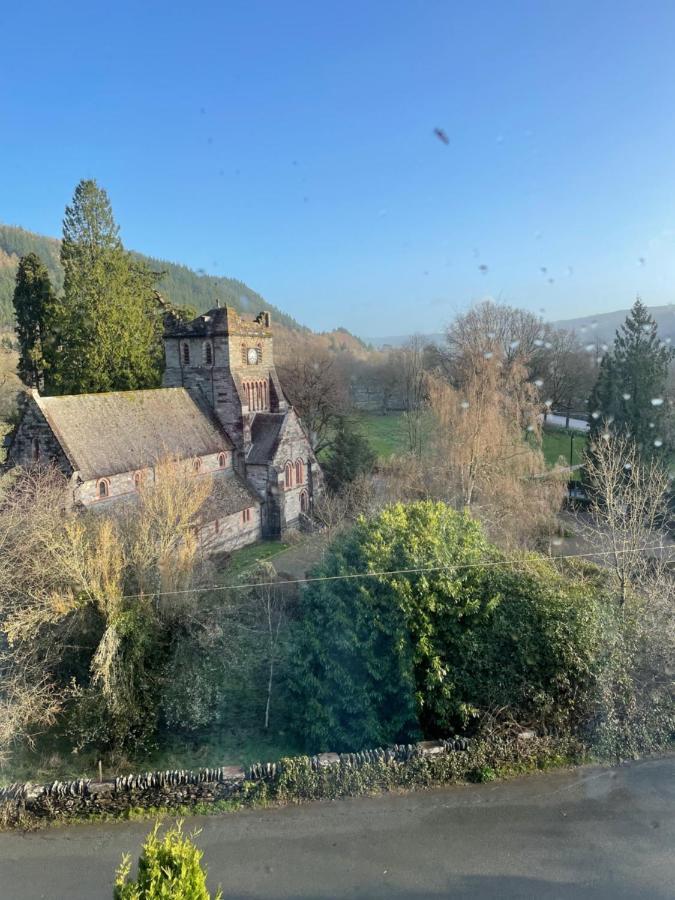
{"x":179,"y":788}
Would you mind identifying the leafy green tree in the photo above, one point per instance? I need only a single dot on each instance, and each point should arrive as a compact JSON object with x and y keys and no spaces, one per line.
{"x":34,"y":307}
{"x":350,"y":456}
{"x":109,"y":324}
{"x":169,"y":868}
{"x":629,"y":395}
{"x":448,"y":628}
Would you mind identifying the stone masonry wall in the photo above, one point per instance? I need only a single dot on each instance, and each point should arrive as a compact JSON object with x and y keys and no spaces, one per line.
{"x":231,"y":532}
{"x":33,"y":427}
{"x":82,"y":797}
{"x":122,"y":484}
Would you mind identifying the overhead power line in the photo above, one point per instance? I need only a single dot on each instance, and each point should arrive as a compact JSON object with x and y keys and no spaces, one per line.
{"x":347,"y":576}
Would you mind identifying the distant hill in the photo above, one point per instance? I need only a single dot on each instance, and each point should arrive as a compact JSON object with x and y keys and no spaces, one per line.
{"x":398,"y":340}
{"x":604,"y":325}
{"x":179,"y":284}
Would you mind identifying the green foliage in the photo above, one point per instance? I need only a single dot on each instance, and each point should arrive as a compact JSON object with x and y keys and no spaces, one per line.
{"x":632,"y":375}
{"x":169,"y":868}
{"x":34,"y":307}
{"x":179,"y":285}
{"x":107,"y":324}
{"x":350,"y":456}
{"x":378,"y":659}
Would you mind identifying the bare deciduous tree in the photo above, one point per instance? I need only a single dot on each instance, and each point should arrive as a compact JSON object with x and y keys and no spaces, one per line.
{"x":629,"y":497}
{"x":316,"y":387}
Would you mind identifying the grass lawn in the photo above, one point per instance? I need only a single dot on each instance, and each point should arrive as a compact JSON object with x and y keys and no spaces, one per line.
{"x":247,"y":557}
{"x":556,"y":442}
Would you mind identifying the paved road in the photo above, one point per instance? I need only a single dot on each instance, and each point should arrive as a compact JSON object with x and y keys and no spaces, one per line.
{"x":593,"y":833}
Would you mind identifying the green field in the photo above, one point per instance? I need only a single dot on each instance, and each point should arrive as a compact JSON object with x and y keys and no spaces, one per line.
{"x":387,"y":435}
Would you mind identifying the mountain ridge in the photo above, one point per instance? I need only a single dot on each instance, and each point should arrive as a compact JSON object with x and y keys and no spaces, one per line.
{"x":179,"y":283}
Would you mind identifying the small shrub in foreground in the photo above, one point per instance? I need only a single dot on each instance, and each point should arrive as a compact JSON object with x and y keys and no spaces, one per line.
{"x":169,"y":868}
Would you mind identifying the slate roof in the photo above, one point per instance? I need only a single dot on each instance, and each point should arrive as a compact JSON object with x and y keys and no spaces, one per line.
{"x":105,"y":434}
{"x":266,"y":430}
{"x":229,"y":494}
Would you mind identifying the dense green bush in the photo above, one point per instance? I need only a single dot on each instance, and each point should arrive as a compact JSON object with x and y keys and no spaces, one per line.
{"x":386,"y":657}
{"x":169,"y":868}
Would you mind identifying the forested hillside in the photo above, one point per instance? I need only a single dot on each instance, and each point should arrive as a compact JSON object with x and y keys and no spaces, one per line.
{"x":179,"y":284}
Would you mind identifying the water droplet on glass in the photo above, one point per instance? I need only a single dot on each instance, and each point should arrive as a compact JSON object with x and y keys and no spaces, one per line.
{"x":646,"y":328}
{"x":589,"y":348}
{"x":604,"y":347}
{"x":543,"y":269}
{"x":491,"y":335}
{"x":658,"y":443}
{"x":627,"y":466}
{"x":530,"y":427}
{"x":488,"y":354}
{"x":641,"y":260}
{"x":483,"y":268}
{"x":514,"y":344}
{"x":626,"y":396}
{"x":465,"y":404}
{"x":548,"y":403}
{"x":538,"y":342}
{"x":657,"y":401}
{"x":548,"y":345}
{"x":595,"y":415}
{"x":539,"y":382}
{"x":556,"y":542}
{"x":606,"y":435}
{"x":651,"y":425}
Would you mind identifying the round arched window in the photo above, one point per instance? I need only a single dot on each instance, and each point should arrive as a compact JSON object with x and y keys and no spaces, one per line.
{"x":196,"y":465}
{"x":103,"y":488}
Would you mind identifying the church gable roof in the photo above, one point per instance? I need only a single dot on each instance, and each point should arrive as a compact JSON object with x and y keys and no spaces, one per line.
{"x":266,"y":430}
{"x":105,"y":434}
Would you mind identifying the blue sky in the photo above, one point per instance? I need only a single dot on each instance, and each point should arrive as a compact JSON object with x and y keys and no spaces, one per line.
{"x":291,"y":145}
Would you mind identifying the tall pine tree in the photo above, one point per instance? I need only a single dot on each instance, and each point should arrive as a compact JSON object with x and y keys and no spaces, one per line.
{"x":629,"y":395}
{"x":35,"y":306}
{"x":108,"y":324}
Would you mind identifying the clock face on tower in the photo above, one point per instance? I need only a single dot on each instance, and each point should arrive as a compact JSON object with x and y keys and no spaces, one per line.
{"x":252,"y":356}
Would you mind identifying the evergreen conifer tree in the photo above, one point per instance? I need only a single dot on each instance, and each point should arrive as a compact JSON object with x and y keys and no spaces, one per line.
{"x":629,"y":395}
{"x":35,"y":306}
{"x":351,"y":455}
{"x":109,"y":323}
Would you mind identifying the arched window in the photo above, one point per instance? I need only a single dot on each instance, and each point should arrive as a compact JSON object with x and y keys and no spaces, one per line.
{"x":186,"y":354}
{"x":138,"y":480}
{"x":304,"y":501}
{"x":288,"y":475}
{"x":102,"y":488}
{"x":208,"y":354}
{"x":299,"y":472}
{"x":222,"y":460}
{"x":196,"y":465}
{"x":265,"y":394}
{"x":36,"y":449}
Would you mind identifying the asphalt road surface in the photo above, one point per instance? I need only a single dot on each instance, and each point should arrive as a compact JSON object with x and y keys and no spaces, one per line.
{"x":590,"y":833}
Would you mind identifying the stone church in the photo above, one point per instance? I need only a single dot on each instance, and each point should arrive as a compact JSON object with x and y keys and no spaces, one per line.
{"x":221,"y":409}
